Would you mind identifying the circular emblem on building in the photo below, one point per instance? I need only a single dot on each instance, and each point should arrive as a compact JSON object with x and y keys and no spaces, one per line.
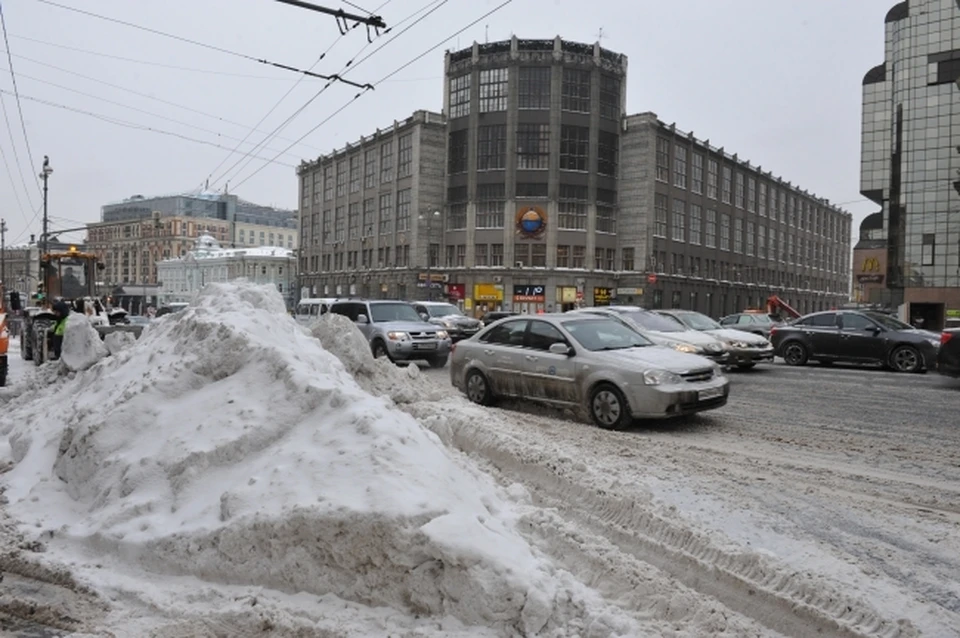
{"x":531,"y":221}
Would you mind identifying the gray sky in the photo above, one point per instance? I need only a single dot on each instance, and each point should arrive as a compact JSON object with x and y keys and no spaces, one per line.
{"x":776,"y":81}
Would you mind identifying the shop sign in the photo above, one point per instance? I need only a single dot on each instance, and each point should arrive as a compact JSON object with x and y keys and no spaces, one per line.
{"x":529,"y":292}
{"x":601,"y":296}
{"x":456,"y":291}
{"x":566,"y":294}
{"x":434,"y":277}
{"x":869,"y":279}
{"x":488,"y":292}
{"x":953,"y":314}
{"x":629,"y":292}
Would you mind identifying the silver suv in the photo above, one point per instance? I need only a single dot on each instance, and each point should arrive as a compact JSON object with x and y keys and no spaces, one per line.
{"x":395,"y":330}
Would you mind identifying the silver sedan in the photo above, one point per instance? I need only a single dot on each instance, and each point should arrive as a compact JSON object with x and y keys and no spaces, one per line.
{"x":585,"y":361}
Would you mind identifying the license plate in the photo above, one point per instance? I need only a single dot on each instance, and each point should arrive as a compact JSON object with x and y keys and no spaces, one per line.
{"x":711,"y":393}
{"x":425,"y":346}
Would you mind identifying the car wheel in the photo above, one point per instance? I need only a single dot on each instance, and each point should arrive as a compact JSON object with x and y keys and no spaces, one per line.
{"x":380,"y":350}
{"x":795,"y":354}
{"x":478,"y":389}
{"x":906,"y":359}
{"x":608,"y":407}
{"x":746,"y":366}
{"x":437,"y":362}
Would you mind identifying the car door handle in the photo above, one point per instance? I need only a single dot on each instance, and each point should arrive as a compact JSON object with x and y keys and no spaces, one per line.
{"x":530,"y":357}
{"x":488,"y":351}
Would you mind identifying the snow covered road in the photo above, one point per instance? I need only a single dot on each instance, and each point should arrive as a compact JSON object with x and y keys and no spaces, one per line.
{"x":819,"y":498}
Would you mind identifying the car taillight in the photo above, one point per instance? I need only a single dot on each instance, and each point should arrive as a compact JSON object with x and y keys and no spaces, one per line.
{"x":773,"y":331}
{"x":453,"y":348}
{"x":945,"y":337}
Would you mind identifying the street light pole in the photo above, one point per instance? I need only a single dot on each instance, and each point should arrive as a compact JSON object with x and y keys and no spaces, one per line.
{"x":44,"y":174}
{"x":430,"y":217}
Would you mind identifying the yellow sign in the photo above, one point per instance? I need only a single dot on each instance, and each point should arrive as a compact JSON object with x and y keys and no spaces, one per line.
{"x":488,"y":292}
{"x":601,"y":296}
{"x":468,"y":304}
{"x":566,"y":294}
{"x":871,"y":264}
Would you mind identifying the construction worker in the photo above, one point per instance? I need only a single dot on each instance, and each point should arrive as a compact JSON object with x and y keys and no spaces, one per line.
{"x":62,"y":311}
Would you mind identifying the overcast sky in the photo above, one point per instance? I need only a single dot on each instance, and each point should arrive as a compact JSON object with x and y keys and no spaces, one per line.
{"x":776,"y":81}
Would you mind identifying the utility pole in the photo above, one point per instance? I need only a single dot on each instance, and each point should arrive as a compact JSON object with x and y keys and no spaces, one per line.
{"x":3,"y":259}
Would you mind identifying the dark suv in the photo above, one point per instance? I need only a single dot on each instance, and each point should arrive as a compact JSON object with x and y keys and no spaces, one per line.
{"x":395,"y":330}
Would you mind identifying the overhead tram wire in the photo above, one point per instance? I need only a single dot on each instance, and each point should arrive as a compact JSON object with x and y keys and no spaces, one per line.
{"x":161,"y":65}
{"x":126,"y":124}
{"x":383,"y":79}
{"x":138,"y":93}
{"x":349,"y":65}
{"x":212,"y":47}
{"x":16,"y":94}
{"x":277,"y":104}
{"x":127,"y":106}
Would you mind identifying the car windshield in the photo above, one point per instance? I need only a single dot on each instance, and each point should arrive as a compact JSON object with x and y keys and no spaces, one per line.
{"x":653,"y":321}
{"x":888,"y":322}
{"x":443,"y":310}
{"x":604,"y":334}
{"x":381,"y":312}
{"x":698,"y":322}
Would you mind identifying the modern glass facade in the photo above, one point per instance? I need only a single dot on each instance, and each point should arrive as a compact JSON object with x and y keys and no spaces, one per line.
{"x":911,"y":160}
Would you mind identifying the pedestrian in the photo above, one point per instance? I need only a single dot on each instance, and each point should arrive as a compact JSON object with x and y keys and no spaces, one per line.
{"x":62,"y":311}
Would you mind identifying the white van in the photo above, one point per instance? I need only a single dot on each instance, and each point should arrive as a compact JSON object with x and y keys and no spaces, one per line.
{"x":309,"y":310}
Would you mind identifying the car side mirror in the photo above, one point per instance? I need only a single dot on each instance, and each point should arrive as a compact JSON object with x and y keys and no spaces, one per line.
{"x":875,"y":330}
{"x":425,"y":316}
{"x":560,"y":348}
{"x":362,"y":319}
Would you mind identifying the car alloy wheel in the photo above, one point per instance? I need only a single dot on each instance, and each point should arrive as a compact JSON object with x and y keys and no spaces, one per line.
{"x":478,"y":390}
{"x":609,"y":408}
{"x":380,"y":350}
{"x":795,"y":354}
{"x":906,"y":359}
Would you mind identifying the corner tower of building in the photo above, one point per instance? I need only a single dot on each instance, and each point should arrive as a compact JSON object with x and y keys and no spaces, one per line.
{"x":533,"y":138}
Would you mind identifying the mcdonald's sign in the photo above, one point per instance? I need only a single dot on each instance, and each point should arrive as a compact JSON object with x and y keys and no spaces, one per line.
{"x":871,"y":265}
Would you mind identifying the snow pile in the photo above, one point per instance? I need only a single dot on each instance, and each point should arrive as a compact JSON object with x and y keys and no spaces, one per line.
{"x":228,"y":445}
{"x":117,"y":341}
{"x":380,"y":377}
{"x":82,"y":346}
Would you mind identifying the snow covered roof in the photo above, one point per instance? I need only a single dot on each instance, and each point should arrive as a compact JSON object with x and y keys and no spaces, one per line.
{"x":207,"y":248}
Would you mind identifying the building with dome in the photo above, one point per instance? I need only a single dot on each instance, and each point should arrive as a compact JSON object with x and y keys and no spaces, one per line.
{"x":208,"y":262}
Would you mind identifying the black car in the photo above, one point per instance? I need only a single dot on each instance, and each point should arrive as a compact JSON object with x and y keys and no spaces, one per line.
{"x":495,"y":315}
{"x":856,"y":337}
{"x":948,"y":359}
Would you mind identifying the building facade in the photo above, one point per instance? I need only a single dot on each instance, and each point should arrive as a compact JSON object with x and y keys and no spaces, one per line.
{"x":138,"y":233}
{"x":367,"y":212}
{"x":208,"y":262}
{"x":544,"y":195}
{"x":704,"y":230}
{"x":910,"y":159}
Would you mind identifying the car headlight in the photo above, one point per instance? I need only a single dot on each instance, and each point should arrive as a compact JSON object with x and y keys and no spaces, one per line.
{"x":442,"y":334}
{"x":398,"y":336}
{"x":686,"y":347}
{"x":661,"y":377}
{"x":740,"y":344}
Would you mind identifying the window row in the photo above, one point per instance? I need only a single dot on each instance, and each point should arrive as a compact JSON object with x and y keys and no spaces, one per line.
{"x":705,"y":176}
{"x":534,"y":86}
{"x":693,"y":266}
{"x":361,"y":219}
{"x":533,"y":149}
{"x":375,"y":166}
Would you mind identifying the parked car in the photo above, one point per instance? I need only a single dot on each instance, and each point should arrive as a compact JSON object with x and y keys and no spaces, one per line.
{"x":666,"y":332}
{"x":756,"y":323}
{"x":856,"y":337}
{"x":746,"y":349}
{"x":496,"y":315}
{"x":395,"y":330}
{"x":948,"y":358}
{"x":449,"y":317}
{"x":590,"y":361}
{"x":310,"y":309}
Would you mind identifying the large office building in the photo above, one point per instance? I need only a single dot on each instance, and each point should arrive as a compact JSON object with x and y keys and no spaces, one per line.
{"x":910,"y":162}
{"x":549,"y":196}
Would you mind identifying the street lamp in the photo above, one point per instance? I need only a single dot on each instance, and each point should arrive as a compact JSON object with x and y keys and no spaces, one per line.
{"x":430,"y":217}
{"x":44,"y":175}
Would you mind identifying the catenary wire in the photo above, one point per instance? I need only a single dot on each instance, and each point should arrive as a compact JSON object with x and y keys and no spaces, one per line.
{"x":127,"y":106}
{"x":16,"y":95}
{"x":279,"y":102}
{"x":150,"y":62}
{"x":138,"y":93}
{"x":384,"y":78}
{"x":351,"y":65}
{"x":133,"y":125}
{"x":205,"y":45}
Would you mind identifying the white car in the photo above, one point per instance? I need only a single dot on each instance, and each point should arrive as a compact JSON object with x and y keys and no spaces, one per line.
{"x":666,"y":332}
{"x":746,"y":349}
